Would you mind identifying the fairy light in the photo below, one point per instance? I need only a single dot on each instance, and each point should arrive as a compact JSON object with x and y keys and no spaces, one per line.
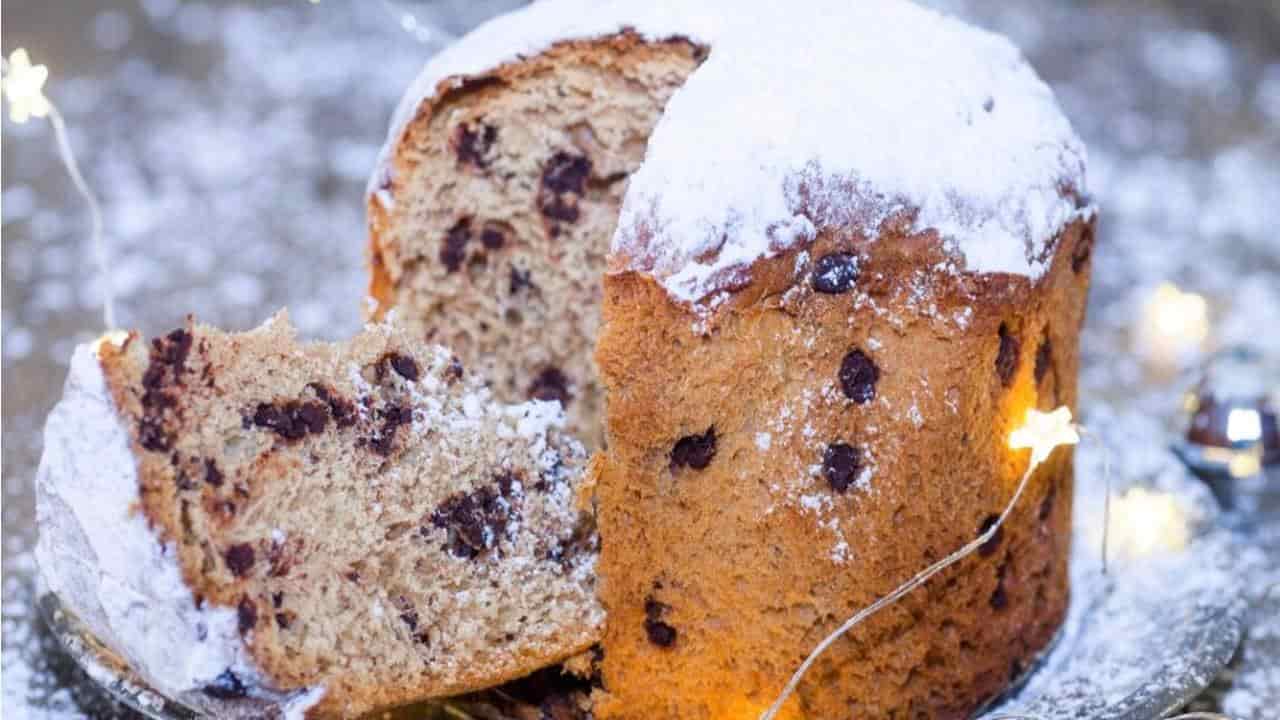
{"x":23,"y":86}
{"x":1147,"y":522}
{"x":1040,"y":433}
{"x":1175,"y":324}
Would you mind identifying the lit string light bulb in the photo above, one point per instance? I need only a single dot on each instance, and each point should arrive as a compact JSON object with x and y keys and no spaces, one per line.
{"x":23,"y":86}
{"x":1041,"y":432}
{"x":1175,"y":325}
{"x":1147,"y":522}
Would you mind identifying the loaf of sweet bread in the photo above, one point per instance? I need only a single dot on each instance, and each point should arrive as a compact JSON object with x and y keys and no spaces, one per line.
{"x":842,"y":248}
{"x":262,"y":526}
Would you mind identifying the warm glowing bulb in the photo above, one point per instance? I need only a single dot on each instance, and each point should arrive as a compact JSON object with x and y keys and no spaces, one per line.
{"x":1042,"y":432}
{"x":1144,"y":522}
{"x":1175,"y":322}
{"x":24,"y":87}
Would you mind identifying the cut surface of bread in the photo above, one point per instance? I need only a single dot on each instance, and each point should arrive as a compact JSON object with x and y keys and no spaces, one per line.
{"x":378,"y":528}
{"x":518,"y":176}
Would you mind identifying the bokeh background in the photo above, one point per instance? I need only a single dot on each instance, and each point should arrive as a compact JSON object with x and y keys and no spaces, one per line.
{"x":229,"y":143}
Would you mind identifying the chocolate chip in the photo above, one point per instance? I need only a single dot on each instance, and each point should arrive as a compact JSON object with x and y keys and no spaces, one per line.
{"x":1083,"y":250}
{"x":292,"y":419}
{"x":226,"y":687}
{"x":564,"y":179}
{"x":566,"y":173}
{"x":246,"y":614}
{"x":473,"y":143}
{"x":277,"y":599}
{"x":476,"y":522}
{"x":1007,"y":356}
{"x":396,"y":415}
{"x":660,"y":633}
{"x":273,"y":418}
{"x":492,"y":237}
{"x":695,"y":451}
{"x":519,"y":280}
{"x":1046,"y":505}
{"x":153,"y":377}
{"x":152,"y":436}
{"x":410,"y":618}
{"x":835,"y":273}
{"x":343,"y":410}
{"x":176,"y":350}
{"x":453,"y":252}
{"x":393,"y":416}
{"x":168,"y":354}
{"x":999,"y":598}
{"x":1044,"y":359}
{"x":405,"y":366}
{"x":988,"y":548}
{"x":551,"y":384}
{"x":284,"y":620}
{"x":989,"y":104}
{"x":653,"y":609}
{"x":858,"y":377}
{"x":314,"y":416}
{"x":239,"y":559}
{"x":841,"y":464}
{"x":212,"y":474}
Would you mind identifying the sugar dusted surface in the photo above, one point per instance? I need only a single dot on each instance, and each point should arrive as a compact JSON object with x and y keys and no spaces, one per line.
{"x":104,"y":562}
{"x":765,"y":146}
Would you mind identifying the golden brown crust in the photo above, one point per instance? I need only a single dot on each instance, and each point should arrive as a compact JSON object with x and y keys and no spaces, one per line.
{"x":737,"y":559}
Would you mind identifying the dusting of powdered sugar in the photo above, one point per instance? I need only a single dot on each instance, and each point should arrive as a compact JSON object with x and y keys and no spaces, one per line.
{"x":534,"y":426}
{"x":890,"y":111}
{"x":98,"y":554}
{"x":800,"y":484}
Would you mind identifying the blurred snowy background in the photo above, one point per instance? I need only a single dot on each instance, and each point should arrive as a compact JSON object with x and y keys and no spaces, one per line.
{"x":229,"y":143}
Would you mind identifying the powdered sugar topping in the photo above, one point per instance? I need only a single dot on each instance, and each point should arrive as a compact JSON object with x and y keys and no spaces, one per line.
{"x":101,"y":558}
{"x":827,"y":115}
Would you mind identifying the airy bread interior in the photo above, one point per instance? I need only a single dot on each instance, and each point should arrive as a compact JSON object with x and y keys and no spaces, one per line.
{"x":380,"y":525}
{"x":513,"y":183}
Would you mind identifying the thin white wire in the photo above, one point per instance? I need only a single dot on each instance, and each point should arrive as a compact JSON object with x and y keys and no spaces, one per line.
{"x":1106,"y":481}
{"x":915,"y":582}
{"x":96,"y":239}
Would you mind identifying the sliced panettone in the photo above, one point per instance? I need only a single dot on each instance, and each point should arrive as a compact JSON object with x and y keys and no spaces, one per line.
{"x":256,"y":522}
